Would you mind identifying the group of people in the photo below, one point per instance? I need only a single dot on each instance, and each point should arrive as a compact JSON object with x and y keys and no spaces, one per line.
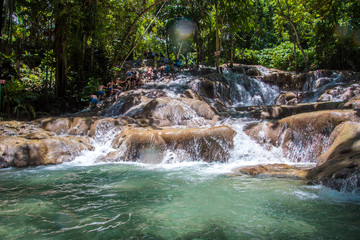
{"x":134,"y":79}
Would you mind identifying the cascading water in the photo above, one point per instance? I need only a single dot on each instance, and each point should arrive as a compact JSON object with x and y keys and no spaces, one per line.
{"x":180,"y":198}
{"x":250,"y":91}
{"x":318,"y":83}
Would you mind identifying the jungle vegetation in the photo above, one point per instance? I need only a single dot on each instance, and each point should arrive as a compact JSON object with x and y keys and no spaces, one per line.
{"x":54,"y":53}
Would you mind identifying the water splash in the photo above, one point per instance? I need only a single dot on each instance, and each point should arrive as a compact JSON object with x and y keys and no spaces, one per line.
{"x":250,"y":91}
{"x":317,"y":83}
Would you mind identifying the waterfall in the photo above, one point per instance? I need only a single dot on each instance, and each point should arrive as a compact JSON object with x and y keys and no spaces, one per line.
{"x":250,"y":91}
{"x":232,"y":89}
{"x":318,"y":82}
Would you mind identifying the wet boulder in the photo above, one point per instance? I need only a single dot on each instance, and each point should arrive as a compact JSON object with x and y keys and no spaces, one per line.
{"x":81,"y":126}
{"x":155,"y":146}
{"x":56,"y":125}
{"x":191,"y":94}
{"x":339,"y":166}
{"x":353,"y":103}
{"x":282,"y":111}
{"x":106,"y":126}
{"x":212,"y":88}
{"x":23,"y":152}
{"x":287,"y":98}
{"x":303,"y":137}
{"x":274,"y":170}
{"x":177,"y":111}
{"x":126,"y":101}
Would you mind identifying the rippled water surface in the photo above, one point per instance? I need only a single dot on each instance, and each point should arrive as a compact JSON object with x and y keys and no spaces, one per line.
{"x":119,"y":201}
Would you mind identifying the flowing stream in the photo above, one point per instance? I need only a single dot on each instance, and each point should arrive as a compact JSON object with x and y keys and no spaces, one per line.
{"x":87,"y":199}
{"x":186,"y":201}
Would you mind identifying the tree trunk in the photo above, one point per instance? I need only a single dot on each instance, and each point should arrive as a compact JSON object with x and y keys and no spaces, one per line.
{"x":232,"y":50}
{"x":217,"y":40}
{"x":167,"y":43}
{"x":197,"y":41}
{"x":132,"y":27}
{"x":179,"y":52}
{"x":83,"y":54}
{"x":92,"y":55}
{"x":292,"y":24}
{"x":1,"y":14}
{"x":136,"y":43}
{"x":60,"y":51}
{"x":295,"y":55}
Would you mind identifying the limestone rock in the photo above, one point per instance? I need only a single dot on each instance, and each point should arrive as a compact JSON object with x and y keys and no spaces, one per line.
{"x":277,"y":112}
{"x":81,"y":126}
{"x":339,"y":166}
{"x":177,"y":111}
{"x":353,"y":103}
{"x":151,"y":146}
{"x":303,"y":136}
{"x":192,"y":94}
{"x":287,"y":98}
{"x":125,"y":102}
{"x":274,"y":170}
{"x":21,"y":152}
{"x":212,"y":88}
{"x":325,"y":98}
{"x":105,"y":126}
{"x":57,"y":125}
{"x":39,"y":134}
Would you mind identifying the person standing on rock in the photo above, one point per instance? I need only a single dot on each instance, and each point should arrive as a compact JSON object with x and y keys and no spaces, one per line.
{"x":101,"y":92}
{"x":110,"y":87}
{"x":149,"y":73}
{"x":167,"y":70}
{"x":93,"y":101}
{"x":134,"y":79}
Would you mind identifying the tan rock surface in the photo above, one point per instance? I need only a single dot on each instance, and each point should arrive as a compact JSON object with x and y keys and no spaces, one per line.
{"x":22,"y":152}
{"x":148,"y":145}
{"x":306,"y":132}
{"x":274,"y":170}
{"x":342,"y":160}
{"x":177,"y":111}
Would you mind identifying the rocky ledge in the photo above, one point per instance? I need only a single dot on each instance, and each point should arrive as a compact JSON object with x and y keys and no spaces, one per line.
{"x":331,"y":139}
{"x":150,"y":125}
{"x":274,"y":170}
{"x":57,"y":140}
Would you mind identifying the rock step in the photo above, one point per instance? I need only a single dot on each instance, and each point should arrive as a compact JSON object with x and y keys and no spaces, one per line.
{"x":282,"y":111}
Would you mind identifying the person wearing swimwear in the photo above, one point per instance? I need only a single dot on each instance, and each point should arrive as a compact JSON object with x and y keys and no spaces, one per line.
{"x":101,"y":92}
{"x":110,"y":87}
{"x":133,"y":79}
{"x":93,"y":101}
{"x":167,"y":69}
{"x":149,"y":73}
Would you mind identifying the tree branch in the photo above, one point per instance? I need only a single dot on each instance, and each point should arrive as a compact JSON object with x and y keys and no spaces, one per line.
{"x":132,"y":27}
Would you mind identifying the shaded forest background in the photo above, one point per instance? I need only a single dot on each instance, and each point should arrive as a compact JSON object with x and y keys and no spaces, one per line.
{"x":54,"y":53}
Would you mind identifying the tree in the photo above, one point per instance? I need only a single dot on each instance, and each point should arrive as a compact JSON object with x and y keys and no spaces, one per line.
{"x":281,"y":12}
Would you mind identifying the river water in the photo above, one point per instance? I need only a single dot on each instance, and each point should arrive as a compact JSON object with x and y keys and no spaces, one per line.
{"x":87,"y":199}
{"x":169,"y":201}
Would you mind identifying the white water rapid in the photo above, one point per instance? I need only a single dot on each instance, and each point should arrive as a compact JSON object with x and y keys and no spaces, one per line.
{"x":242,"y":90}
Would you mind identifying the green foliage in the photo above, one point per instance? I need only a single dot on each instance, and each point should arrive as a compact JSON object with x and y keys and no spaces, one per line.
{"x":7,"y":72}
{"x":19,"y":99}
{"x":91,"y":38}
{"x":280,"y":57}
{"x":247,"y":56}
{"x":90,"y":88}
